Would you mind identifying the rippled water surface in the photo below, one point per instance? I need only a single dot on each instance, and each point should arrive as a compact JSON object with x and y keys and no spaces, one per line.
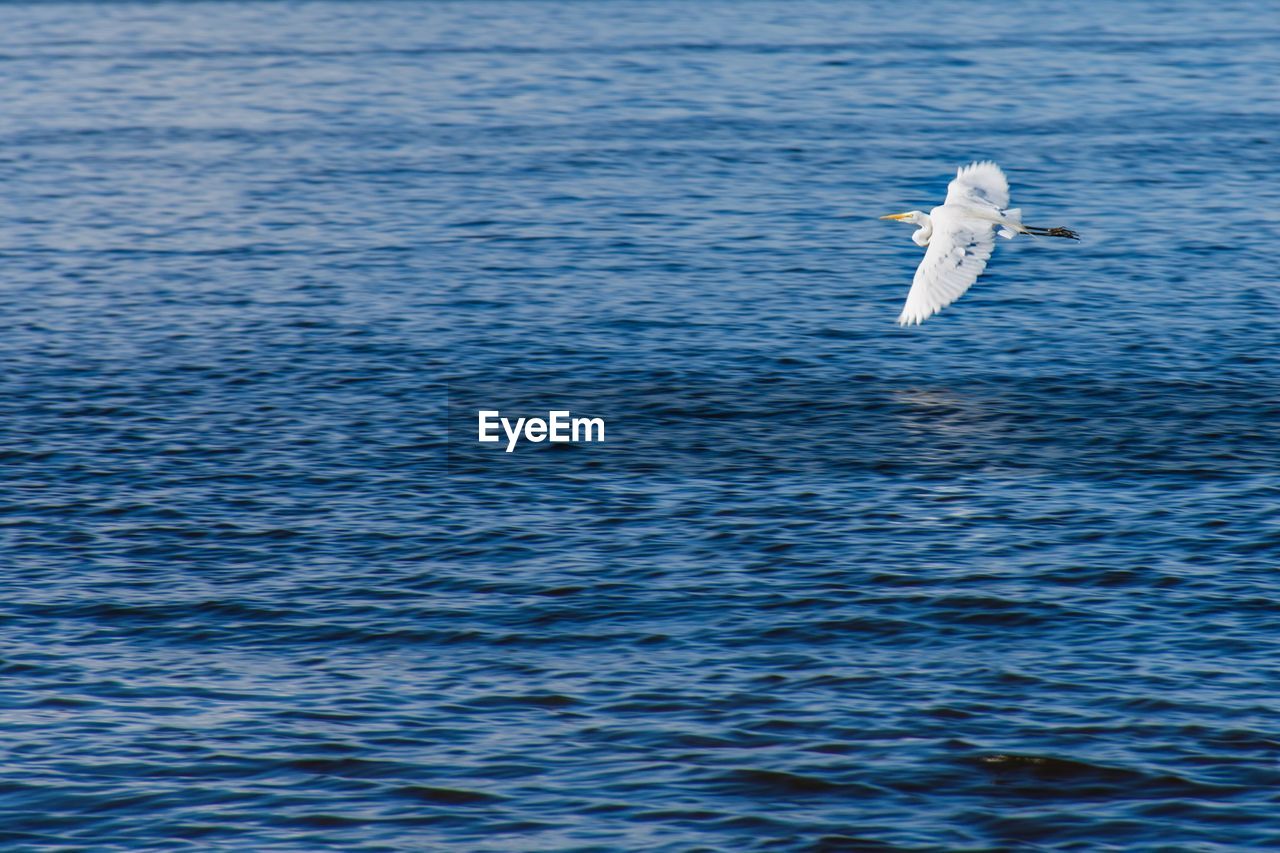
{"x":1004,"y":581}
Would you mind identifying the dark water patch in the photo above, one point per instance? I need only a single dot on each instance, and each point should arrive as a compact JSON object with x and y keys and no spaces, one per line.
{"x":852,"y":844}
{"x":445,"y":796}
{"x":784,"y":785}
{"x":1045,"y":777}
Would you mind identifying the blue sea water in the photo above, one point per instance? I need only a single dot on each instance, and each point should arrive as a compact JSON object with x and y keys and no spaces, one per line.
{"x":1004,"y":581}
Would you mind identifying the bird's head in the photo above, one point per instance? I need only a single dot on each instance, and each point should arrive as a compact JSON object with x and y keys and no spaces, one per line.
{"x":914,"y":217}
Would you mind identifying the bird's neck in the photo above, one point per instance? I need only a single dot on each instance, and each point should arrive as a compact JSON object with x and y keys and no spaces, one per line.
{"x":924,"y":232}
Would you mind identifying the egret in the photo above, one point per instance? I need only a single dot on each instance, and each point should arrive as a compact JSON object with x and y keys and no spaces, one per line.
{"x":960,"y":234}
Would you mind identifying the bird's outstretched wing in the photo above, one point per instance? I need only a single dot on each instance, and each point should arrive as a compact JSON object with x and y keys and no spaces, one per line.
{"x":979,"y":185}
{"x":957,"y":255}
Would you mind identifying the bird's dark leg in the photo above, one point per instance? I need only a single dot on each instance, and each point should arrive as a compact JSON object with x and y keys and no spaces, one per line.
{"x":1066,"y":233}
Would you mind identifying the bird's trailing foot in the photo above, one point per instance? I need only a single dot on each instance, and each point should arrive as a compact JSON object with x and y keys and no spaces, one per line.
{"x":1066,"y":233}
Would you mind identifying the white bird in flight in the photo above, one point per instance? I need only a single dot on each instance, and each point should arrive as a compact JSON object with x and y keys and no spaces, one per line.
{"x":960,"y":234}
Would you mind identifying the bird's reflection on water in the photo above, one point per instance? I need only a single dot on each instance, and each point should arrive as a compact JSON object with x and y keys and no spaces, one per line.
{"x":1069,"y":425}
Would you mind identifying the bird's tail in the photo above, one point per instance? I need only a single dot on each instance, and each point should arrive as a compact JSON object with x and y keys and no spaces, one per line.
{"x":1011,"y":224}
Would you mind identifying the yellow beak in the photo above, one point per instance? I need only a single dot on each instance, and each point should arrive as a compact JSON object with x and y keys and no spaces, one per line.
{"x":897,"y":216}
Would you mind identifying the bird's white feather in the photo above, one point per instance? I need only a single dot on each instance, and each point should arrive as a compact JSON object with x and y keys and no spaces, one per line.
{"x":957,"y":255}
{"x":979,"y":185}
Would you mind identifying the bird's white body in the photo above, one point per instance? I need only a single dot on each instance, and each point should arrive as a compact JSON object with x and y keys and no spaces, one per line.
{"x":959,"y":236}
